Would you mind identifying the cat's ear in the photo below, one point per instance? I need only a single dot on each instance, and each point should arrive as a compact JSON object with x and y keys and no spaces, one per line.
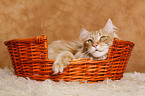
{"x":84,"y":34}
{"x":109,"y":27}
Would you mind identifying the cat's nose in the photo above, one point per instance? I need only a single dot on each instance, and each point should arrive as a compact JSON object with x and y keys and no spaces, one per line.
{"x":95,"y":44}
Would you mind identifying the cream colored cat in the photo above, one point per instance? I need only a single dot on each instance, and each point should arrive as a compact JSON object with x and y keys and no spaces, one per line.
{"x":93,"y":44}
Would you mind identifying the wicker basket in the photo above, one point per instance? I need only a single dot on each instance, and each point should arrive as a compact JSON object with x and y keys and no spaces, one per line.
{"x":30,"y":59}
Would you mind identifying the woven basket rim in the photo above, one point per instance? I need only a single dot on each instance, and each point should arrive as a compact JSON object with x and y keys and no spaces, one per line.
{"x":83,"y":60}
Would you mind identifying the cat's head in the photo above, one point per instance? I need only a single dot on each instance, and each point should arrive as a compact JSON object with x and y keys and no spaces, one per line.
{"x":97,"y":43}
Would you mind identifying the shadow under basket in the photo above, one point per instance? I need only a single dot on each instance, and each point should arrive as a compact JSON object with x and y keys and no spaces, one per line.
{"x":30,"y":59}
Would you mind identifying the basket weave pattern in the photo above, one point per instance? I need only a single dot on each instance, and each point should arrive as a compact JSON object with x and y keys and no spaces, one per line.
{"x":30,"y":59}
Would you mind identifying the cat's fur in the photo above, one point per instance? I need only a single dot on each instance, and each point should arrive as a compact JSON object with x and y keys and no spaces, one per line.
{"x":93,"y":44}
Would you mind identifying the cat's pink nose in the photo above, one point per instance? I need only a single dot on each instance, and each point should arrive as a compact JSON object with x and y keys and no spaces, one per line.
{"x":94,"y":44}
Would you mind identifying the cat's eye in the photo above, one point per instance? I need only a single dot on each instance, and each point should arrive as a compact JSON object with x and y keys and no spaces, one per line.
{"x":103,"y":38}
{"x":90,"y":40}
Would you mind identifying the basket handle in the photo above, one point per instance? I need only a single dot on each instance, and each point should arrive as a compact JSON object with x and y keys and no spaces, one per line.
{"x":37,"y":39}
{"x":40,"y":39}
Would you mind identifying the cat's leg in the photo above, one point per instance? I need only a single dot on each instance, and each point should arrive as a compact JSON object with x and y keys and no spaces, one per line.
{"x":61,"y":61}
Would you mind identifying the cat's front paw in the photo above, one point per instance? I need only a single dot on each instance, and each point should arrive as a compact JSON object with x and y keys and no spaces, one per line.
{"x":58,"y":66}
{"x":62,"y":61}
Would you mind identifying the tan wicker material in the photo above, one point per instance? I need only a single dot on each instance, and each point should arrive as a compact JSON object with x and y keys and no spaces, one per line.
{"x":29,"y":59}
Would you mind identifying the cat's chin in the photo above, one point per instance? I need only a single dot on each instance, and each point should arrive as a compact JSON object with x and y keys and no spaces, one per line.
{"x":98,"y":53}
{"x":101,"y":58}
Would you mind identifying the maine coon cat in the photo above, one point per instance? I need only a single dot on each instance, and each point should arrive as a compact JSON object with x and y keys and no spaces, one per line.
{"x":91,"y":44}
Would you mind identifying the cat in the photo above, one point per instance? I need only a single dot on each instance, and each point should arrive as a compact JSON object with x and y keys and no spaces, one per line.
{"x":91,"y":44}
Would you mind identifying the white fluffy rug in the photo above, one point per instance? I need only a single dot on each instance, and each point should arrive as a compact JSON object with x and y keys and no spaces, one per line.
{"x":133,"y":84}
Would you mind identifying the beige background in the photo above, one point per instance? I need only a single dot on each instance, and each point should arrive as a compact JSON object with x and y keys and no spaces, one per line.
{"x":61,"y":19}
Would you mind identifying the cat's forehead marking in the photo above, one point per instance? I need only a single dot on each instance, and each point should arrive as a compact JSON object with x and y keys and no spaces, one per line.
{"x":95,"y":35}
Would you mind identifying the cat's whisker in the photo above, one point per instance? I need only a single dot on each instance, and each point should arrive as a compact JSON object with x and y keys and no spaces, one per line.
{"x":83,"y":55}
{"x":86,"y":54}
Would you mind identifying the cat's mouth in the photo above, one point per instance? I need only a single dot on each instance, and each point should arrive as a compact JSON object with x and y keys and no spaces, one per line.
{"x":98,"y":50}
